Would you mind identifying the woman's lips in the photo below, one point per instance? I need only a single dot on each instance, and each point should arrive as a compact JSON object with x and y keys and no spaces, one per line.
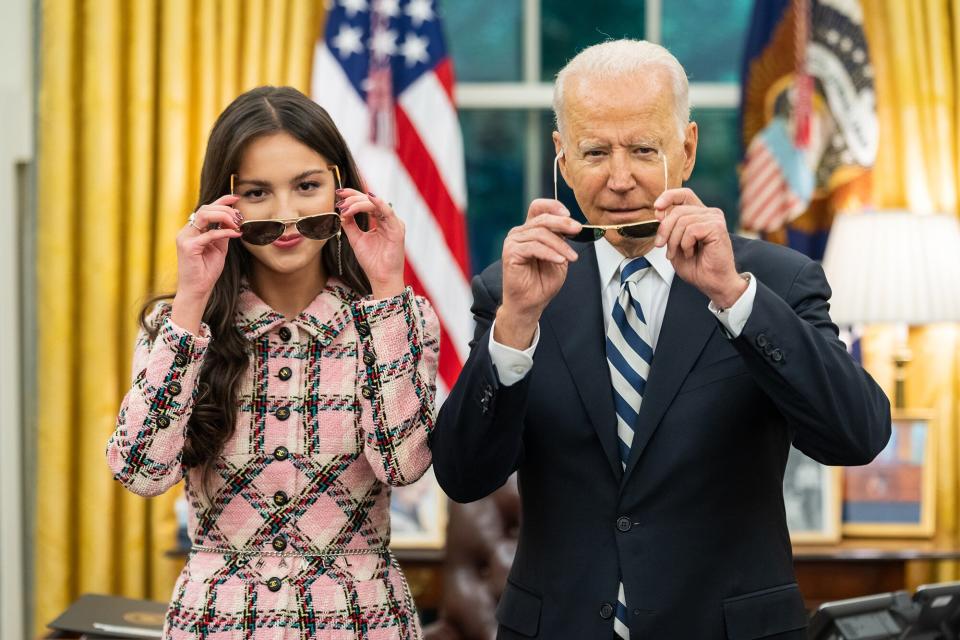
{"x":285,"y":242}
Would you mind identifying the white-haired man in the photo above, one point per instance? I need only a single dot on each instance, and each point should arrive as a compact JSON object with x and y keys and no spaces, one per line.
{"x":646,"y":374}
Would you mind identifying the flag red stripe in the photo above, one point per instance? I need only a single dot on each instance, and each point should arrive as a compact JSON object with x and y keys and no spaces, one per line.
{"x":413,"y":155}
{"x":449,"y":365}
{"x":444,"y":73}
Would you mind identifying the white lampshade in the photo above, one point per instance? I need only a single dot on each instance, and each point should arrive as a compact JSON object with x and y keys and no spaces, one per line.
{"x":894,"y":267}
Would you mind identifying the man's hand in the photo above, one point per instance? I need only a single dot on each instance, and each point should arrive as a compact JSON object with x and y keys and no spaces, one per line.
{"x":699,"y":246}
{"x":535,"y":259}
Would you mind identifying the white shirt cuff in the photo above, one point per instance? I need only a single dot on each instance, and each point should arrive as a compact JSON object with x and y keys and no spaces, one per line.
{"x":511,"y":364}
{"x":734,"y":318}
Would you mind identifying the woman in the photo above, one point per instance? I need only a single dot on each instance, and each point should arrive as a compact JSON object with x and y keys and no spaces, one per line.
{"x":290,"y":381}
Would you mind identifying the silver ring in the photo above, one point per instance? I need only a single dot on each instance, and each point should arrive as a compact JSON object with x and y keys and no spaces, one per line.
{"x":192,"y":219}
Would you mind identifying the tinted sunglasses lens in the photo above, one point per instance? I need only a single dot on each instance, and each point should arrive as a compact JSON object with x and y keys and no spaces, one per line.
{"x":588,"y":234}
{"x":319,"y":227}
{"x":640,"y":230}
{"x":261,"y":232}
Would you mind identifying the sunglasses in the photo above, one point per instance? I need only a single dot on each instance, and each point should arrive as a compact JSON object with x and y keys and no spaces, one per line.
{"x":319,"y":226}
{"x":593,"y":232}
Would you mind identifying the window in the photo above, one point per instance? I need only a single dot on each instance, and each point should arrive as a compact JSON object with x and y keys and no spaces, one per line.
{"x":505,"y":55}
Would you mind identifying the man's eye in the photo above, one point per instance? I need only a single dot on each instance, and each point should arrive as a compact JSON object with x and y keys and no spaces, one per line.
{"x":595,"y":153}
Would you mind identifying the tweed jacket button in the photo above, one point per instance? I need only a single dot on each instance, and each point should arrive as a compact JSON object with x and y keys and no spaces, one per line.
{"x":180,"y":360}
{"x":282,"y":413}
{"x":163,"y":421}
{"x":274,"y":584}
{"x":363,"y":330}
{"x":366,"y":392}
{"x":285,"y":373}
{"x":280,"y":498}
{"x":285,"y":334}
{"x":279,"y":543}
{"x":281,"y":453}
{"x":174,"y":388}
{"x":606,"y":611}
{"x":368,"y":359}
{"x":624,"y":524}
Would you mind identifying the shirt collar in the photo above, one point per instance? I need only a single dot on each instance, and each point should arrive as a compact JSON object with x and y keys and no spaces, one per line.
{"x":609,"y":259}
{"x":324,"y":318}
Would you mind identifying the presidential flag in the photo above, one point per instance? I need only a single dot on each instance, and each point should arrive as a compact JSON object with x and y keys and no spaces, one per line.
{"x":809,"y":121}
{"x":383,"y":73}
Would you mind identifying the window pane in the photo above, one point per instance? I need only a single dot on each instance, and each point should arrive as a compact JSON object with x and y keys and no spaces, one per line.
{"x":707,"y":37}
{"x":714,"y":177}
{"x":485,"y":43}
{"x":494,"y":149}
{"x":568,"y":26}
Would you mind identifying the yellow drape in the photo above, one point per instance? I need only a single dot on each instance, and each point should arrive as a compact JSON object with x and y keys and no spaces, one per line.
{"x":129,"y":90}
{"x":915,"y":49}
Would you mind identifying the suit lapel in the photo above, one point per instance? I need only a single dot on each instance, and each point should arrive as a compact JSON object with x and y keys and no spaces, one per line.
{"x":576,"y":316}
{"x":687,"y":324}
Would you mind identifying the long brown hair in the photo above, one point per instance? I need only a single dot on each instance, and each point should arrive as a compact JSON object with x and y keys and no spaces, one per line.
{"x":259,"y":112}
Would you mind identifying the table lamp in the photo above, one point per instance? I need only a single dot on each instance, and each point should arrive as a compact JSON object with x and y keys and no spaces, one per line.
{"x":894,"y":267}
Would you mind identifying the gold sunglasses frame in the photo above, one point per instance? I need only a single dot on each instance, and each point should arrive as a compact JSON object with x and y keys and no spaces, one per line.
{"x":288,"y":221}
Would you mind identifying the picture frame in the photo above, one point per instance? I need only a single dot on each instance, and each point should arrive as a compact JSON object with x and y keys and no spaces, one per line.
{"x":895,"y":495}
{"x":812,"y":498}
{"x":418,"y":515}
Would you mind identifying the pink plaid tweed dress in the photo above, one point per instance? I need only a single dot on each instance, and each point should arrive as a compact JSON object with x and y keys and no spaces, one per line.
{"x":290,"y":533}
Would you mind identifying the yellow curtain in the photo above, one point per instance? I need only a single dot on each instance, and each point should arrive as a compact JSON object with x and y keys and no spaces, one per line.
{"x":915,"y":50}
{"x":129,"y":90}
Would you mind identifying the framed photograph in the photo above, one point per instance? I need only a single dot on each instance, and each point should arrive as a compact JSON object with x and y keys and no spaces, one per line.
{"x":418,"y":515}
{"x":894,"y":496}
{"x":811,"y":496}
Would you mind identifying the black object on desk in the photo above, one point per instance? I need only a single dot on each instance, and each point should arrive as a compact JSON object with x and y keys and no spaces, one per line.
{"x":112,"y":617}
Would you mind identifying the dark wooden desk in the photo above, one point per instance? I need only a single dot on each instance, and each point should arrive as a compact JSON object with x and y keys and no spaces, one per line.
{"x":862,"y":567}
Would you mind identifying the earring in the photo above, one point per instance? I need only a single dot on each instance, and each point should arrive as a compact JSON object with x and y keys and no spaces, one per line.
{"x":339,"y":263}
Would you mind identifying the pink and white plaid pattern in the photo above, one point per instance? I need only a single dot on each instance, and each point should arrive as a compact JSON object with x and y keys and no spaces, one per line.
{"x":335,"y":408}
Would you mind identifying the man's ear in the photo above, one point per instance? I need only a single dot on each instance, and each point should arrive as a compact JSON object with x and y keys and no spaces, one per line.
{"x":690,"y":140}
{"x":561,"y":156}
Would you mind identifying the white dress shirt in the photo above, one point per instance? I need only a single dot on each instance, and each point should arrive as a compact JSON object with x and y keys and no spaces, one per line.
{"x":653,"y":289}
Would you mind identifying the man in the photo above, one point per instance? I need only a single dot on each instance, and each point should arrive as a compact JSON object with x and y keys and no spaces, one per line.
{"x":648,"y":404}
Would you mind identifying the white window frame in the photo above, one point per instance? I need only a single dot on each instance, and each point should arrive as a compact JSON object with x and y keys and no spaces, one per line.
{"x":534,"y":96}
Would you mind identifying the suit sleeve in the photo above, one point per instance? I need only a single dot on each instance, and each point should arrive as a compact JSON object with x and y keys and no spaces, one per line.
{"x":839,"y":414}
{"x":478,"y":440}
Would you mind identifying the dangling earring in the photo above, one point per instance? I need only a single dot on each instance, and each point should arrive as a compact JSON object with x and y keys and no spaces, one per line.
{"x":339,"y":263}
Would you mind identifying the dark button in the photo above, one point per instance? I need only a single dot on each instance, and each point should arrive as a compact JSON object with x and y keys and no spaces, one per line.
{"x":274,"y":584}
{"x":285,"y":334}
{"x":282,"y":413}
{"x":363,"y":330}
{"x":163,"y":421}
{"x":624,"y":524}
{"x":279,"y":543}
{"x":606,"y":611}
{"x":174,"y":388}
{"x":280,"y":498}
{"x":636,"y":612}
{"x":762,"y":340}
{"x":366,"y":392}
{"x":777,"y":355}
{"x":768,"y":349}
{"x":285,"y":373}
{"x":281,"y":453}
{"x":368,"y":359}
{"x":180,"y":360}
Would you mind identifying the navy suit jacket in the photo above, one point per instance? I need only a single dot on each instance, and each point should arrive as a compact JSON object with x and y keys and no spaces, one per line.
{"x":695,"y":524}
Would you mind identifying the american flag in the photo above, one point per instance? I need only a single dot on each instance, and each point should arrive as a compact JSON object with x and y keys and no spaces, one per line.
{"x":383,"y":73}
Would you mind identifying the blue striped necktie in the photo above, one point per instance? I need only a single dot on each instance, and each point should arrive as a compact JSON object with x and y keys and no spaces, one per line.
{"x":629,"y":355}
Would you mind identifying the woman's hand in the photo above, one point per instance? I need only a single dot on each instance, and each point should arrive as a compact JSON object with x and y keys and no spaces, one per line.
{"x":201,"y":252}
{"x":379,"y":250}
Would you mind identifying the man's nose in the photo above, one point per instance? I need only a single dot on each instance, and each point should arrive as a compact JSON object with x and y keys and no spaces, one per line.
{"x":621,"y":174}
